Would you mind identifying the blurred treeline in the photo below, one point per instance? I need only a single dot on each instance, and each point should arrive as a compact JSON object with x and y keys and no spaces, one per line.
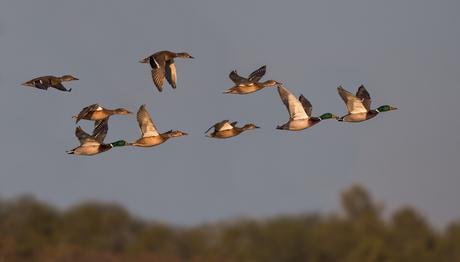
{"x":34,"y":231}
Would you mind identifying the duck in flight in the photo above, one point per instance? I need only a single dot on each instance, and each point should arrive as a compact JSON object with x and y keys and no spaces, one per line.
{"x":250,"y":84}
{"x":299,"y":111}
{"x":94,"y":144}
{"x":149,"y":134}
{"x":225,"y":129}
{"x":359,"y":105}
{"x":45,"y":82}
{"x":162,"y":64}
{"x":96,"y":112}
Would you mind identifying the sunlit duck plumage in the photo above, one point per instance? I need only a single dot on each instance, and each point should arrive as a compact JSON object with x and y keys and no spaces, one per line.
{"x":359,"y":105}
{"x":225,"y":129}
{"x":162,"y":64}
{"x":96,"y":112}
{"x":299,"y":111}
{"x":251,"y":84}
{"x":94,"y":144}
{"x":150,"y":136}
{"x":44,"y":82}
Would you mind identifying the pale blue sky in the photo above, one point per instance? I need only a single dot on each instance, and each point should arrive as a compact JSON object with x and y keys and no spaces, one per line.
{"x":406,"y":52}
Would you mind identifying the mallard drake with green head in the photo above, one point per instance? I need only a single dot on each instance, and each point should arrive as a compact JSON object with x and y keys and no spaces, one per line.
{"x":150,"y":136}
{"x":225,"y":129}
{"x":251,"y":84}
{"x":94,"y":144}
{"x":96,"y":112}
{"x":44,"y":82}
{"x":162,"y":64}
{"x":299,"y":111}
{"x":359,"y":105}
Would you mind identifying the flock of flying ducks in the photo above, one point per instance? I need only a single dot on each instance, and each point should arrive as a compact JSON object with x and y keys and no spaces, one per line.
{"x":163,"y":67}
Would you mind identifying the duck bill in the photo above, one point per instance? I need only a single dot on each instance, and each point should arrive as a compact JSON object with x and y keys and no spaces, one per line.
{"x":27,"y":84}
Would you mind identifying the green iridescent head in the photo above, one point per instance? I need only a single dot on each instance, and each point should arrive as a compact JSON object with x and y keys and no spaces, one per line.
{"x":119,"y":143}
{"x":327,"y":116}
{"x":385,"y":108}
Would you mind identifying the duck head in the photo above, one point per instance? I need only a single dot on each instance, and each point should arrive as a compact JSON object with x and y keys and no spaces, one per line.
{"x":328,"y":116}
{"x":122,"y":111}
{"x":271,"y":83}
{"x":184,"y":55}
{"x":175,"y":133}
{"x":68,"y":78}
{"x":119,"y":143}
{"x":385,"y":108}
{"x":249,"y":127}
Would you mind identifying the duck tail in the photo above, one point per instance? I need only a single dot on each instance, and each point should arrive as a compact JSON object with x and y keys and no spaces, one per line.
{"x":70,"y":152}
{"x":340,"y":119}
{"x":69,"y":90}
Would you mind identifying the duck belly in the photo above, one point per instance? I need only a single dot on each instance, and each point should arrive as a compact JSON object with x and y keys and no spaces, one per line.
{"x":225,"y":134}
{"x":149,"y":141}
{"x":358,"y":117}
{"x":297,"y":125}
{"x":87,"y":150}
{"x":99,"y":115}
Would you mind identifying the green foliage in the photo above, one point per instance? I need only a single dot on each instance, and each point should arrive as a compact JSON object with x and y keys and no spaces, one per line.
{"x":33,"y":231}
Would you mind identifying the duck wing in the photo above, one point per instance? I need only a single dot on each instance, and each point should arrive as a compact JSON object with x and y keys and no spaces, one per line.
{"x":146,"y":124}
{"x":237,"y":79}
{"x":364,"y":95}
{"x":354,"y":104}
{"x":100,"y":130}
{"x":85,"y":138}
{"x":257,"y":75}
{"x":86,"y":112}
{"x":306,"y":105}
{"x":158,"y":72}
{"x":59,"y":86}
{"x":170,"y":72}
{"x":223,"y":125}
{"x":293,"y":105}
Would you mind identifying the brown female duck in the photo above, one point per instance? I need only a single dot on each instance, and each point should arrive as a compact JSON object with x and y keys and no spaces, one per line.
{"x":96,"y":112}
{"x":150,"y":136}
{"x":251,"y":84}
{"x":162,"y":64}
{"x":225,"y":129}
{"x":359,"y":105}
{"x":44,"y":82}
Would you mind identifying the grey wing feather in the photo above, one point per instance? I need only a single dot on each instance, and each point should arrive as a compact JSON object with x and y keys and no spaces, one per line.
{"x":306,"y":105}
{"x":354,"y":104}
{"x":170,"y":70}
{"x":237,"y":79}
{"x":83,"y":137}
{"x":59,"y":86}
{"x":86,"y":111}
{"x":257,"y":75}
{"x":364,"y":95}
{"x":158,"y":72}
{"x":100,"y":130}
{"x":145,"y":123}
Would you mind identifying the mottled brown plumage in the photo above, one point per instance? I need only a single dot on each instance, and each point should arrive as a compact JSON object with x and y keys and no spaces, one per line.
{"x":251,"y":84}
{"x":225,"y":129}
{"x":162,"y":64}
{"x":96,"y":112}
{"x":45,"y":82}
{"x":149,"y":134}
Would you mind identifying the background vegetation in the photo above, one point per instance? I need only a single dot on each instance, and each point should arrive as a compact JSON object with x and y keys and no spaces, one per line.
{"x":34,"y":231}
